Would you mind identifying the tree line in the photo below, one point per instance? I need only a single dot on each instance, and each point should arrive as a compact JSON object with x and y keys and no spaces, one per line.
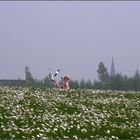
{"x":117,"y":81}
{"x":105,"y":81}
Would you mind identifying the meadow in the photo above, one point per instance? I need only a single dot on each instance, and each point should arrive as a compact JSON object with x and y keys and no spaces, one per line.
{"x":41,"y":113}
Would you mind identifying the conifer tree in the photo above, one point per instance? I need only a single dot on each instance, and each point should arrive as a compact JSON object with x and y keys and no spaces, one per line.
{"x":102,"y":73}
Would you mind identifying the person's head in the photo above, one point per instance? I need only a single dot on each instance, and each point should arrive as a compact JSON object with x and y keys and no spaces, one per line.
{"x":66,"y":78}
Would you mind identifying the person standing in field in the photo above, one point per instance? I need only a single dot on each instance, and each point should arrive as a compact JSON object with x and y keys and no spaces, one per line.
{"x":66,"y":82}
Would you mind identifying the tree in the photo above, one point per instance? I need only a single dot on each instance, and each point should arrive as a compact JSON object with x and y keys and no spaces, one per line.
{"x":97,"y":84}
{"x":47,"y":82}
{"x":74,"y":84}
{"x":28,"y":75}
{"x":136,"y":81}
{"x":89,"y":85}
{"x":117,"y":82}
{"x":82,"y":84}
{"x":102,"y":73}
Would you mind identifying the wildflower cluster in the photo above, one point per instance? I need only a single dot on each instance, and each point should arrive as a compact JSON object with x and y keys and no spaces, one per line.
{"x":38,"y":113}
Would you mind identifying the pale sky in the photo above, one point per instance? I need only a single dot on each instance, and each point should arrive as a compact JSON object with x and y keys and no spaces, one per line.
{"x":71,"y":36}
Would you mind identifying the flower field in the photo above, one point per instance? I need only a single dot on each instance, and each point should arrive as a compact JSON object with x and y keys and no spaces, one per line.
{"x":37,"y":113}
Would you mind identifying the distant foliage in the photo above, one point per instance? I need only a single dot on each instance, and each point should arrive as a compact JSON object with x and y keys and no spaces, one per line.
{"x":102,"y":73}
{"x":28,"y":75}
{"x":104,"y":81}
{"x":116,"y":82}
